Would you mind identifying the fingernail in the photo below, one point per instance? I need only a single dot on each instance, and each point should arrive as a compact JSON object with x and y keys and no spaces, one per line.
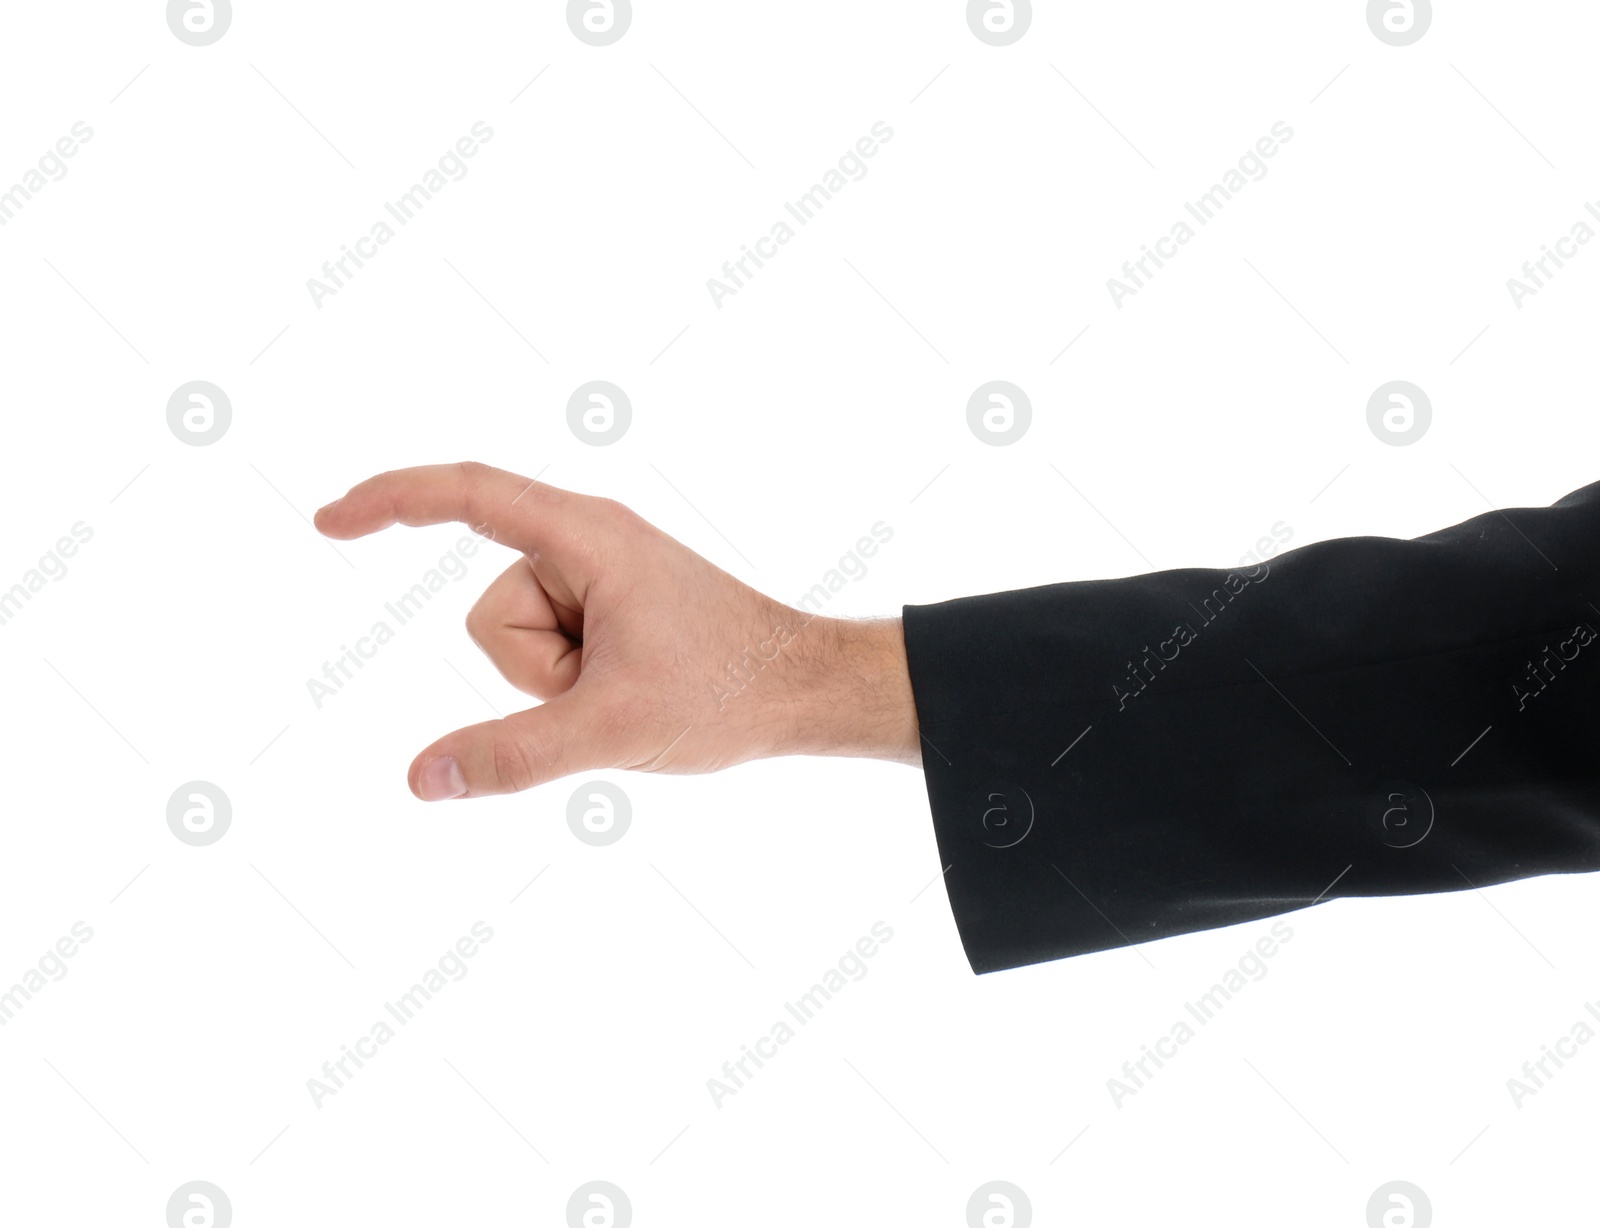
{"x":329,"y":506}
{"x":441,"y":778}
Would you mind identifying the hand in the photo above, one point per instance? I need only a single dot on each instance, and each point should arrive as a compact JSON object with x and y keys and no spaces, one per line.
{"x":628,"y":637}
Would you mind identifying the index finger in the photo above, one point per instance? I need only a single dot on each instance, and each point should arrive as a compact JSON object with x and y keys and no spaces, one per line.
{"x":512,"y":510}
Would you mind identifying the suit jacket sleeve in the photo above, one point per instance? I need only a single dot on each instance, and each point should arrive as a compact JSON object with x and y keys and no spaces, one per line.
{"x":1114,"y":761}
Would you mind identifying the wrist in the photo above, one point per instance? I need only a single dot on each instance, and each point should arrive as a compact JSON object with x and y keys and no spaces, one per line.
{"x":853,"y":693}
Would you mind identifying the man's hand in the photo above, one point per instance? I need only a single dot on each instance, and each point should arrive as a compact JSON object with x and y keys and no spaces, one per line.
{"x":628,"y":636}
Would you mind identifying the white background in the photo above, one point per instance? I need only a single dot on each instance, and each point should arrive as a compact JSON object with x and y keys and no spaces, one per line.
{"x":770,"y":435}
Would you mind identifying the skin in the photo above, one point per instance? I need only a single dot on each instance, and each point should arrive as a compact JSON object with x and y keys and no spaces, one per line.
{"x":626,"y":635}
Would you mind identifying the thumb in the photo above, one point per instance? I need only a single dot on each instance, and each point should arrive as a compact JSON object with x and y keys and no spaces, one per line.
{"x":527,"y":748}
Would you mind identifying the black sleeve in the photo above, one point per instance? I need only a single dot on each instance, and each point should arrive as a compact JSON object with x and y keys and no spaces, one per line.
{"x":1114,"y":761}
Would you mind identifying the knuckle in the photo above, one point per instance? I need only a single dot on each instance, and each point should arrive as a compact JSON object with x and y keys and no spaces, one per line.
{"x":616,"y":515}
{"x":473,"y":483}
